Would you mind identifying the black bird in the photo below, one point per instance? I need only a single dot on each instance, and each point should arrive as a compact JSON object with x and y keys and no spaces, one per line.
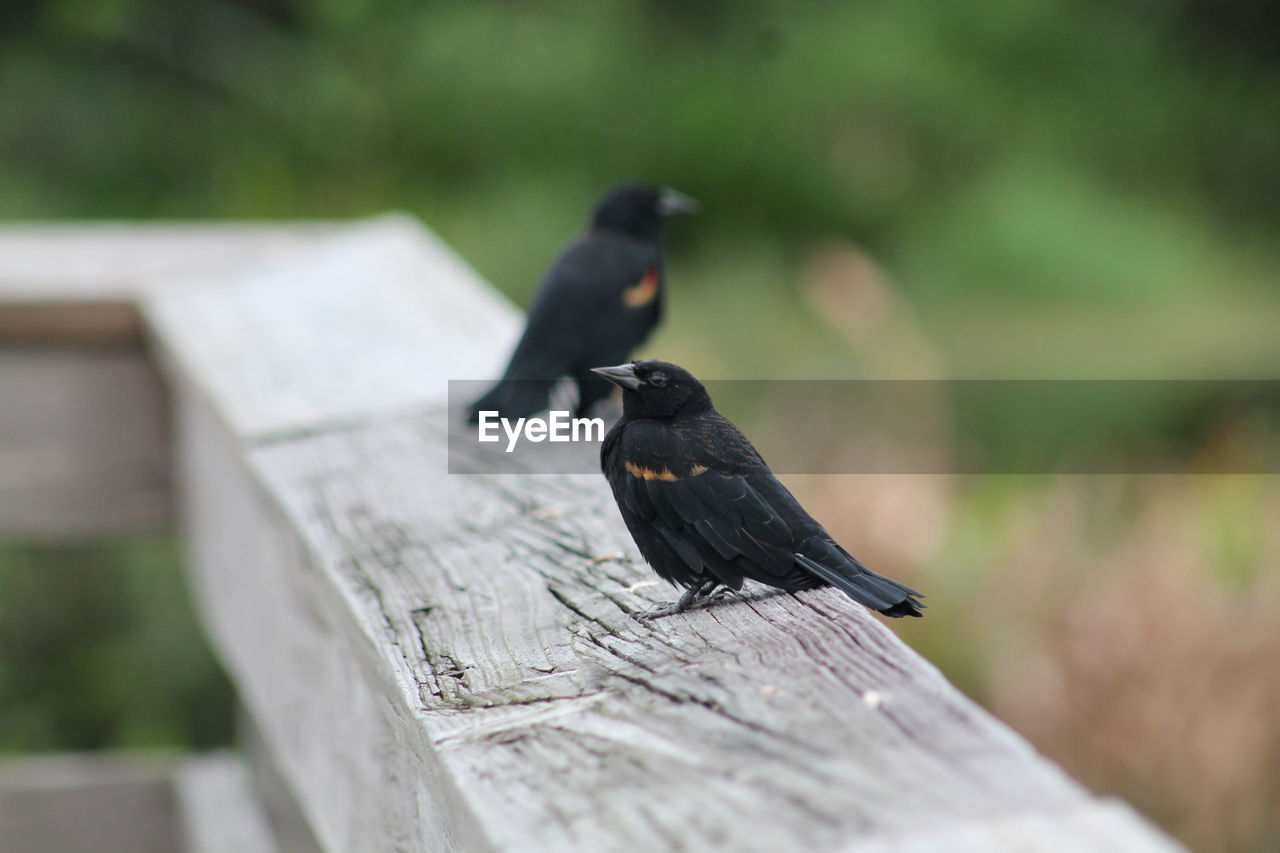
{"x":600,"y":300}
{"x":705,"y":509}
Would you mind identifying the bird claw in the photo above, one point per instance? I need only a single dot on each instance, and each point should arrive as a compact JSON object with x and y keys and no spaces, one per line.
{"x":666,"y":608}
{"x":695,"y":598}
{"x":709,"y":599}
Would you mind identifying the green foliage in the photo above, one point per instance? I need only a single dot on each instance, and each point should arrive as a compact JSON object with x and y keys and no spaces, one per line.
{"x":1038,"y":155}
{"x":98,"y":649}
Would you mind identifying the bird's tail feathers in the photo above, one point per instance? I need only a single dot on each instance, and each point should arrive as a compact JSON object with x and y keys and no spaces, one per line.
{"x":866,"y":587}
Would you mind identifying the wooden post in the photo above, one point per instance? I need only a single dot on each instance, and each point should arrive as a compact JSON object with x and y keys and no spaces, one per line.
{"x":131,"y":803}
{"x":441,"y":662}
{"x":218,"y":810}
{"x":84,"y":419}
{"x":437,"y":661}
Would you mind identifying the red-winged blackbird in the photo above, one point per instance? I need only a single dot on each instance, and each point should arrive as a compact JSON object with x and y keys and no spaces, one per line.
{"x":600,"y":300}
{"x":705,"y":509}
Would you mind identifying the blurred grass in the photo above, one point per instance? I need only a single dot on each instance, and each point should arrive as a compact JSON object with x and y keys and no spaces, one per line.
{"x":1029,"y":189}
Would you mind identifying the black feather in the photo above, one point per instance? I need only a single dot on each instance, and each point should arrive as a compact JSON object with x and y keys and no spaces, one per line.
{"x":702,"y":504}
{"x":600,"y":300}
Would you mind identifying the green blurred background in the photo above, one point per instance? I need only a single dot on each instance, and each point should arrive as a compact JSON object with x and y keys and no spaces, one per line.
{"x":1021,"y":189}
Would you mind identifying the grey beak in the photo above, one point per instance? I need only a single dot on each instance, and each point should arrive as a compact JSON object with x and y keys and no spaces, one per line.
{"x":671,"y":202}
{"x":624,"y":375}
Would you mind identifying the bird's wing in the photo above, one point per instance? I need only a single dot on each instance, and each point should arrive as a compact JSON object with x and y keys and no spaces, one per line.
{"x":707,"y":513}
{"x":701,"y":499}
{"x":587,"y":306}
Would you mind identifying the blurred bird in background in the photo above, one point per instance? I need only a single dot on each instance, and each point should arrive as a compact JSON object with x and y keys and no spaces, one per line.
{"x":600,"y":301}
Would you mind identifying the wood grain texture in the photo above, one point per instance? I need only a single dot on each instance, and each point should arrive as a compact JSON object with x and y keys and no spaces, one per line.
{"x":218,"y":809}
{"x":443,"y":661}
{"x":339,"y":732}
{"x":84,"y":443}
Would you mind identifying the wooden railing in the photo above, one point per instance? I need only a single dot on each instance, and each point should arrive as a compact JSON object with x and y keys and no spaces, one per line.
{"x":432,"y":661}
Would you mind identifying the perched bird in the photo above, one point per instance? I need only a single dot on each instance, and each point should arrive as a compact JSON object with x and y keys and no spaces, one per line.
{"x":600,"y":300}
{"x":705,"y":509}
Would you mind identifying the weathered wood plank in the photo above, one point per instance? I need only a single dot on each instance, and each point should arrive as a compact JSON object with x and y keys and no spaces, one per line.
{"x":374,"y":320}
{"x":447,"y":662}
{"x":290,"y":826}
{"x":1100,"y":825}
{"x":218,"y":810}
{"x":107,"y":803}
{"x":339,"y":733}
{"x":84,"y":443}
{"x":501,"y":608}
{"x":84,"y":439}
{"x":80,"y":281}
{"x":130,"y":803}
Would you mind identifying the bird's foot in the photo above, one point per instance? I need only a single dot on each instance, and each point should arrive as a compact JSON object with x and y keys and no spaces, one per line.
{"x":695,"y":597}
{"x":666,"y":608}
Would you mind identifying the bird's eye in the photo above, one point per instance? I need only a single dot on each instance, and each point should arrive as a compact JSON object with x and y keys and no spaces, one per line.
{"x":658,"y":379}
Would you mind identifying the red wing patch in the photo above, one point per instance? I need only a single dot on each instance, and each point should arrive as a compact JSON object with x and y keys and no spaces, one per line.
{"x":643,"y":292}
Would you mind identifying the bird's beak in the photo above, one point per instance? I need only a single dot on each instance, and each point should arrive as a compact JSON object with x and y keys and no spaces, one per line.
{"x":624,"y":375}
{"x":671,"y":202}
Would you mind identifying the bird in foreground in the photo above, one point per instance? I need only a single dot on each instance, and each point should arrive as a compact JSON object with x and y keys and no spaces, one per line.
{"x":704,"y":508}
{"x":599,"y":301}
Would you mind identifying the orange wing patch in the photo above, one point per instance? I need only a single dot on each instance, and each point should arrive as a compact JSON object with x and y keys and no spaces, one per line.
{"x":665,"y":474}
{"x":643,"y":292}
{"x":649,"y":474}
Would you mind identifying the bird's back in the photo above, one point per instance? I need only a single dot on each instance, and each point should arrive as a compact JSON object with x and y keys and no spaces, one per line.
{"x":702,"y":504}
{"x":695,"y":490}
{"x":592,"y":308}
{"x":705,"y":509}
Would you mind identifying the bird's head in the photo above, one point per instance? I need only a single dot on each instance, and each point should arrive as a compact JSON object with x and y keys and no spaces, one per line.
{"x":637,"y":209}
{"x":657,"y":389}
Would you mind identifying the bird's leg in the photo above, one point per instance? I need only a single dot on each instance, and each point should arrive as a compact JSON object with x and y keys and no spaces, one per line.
{"x":698,"y":595}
